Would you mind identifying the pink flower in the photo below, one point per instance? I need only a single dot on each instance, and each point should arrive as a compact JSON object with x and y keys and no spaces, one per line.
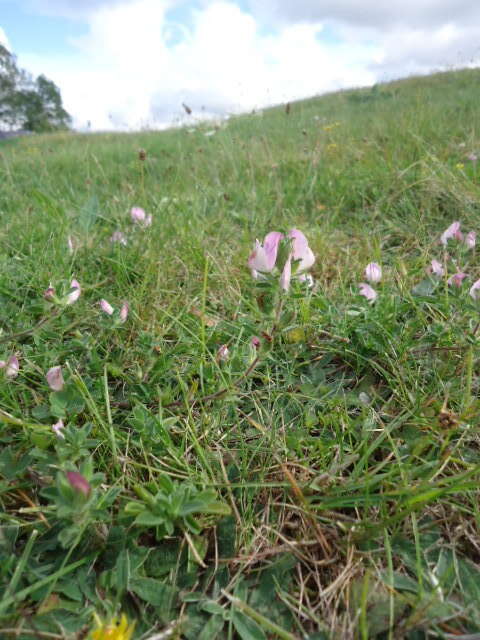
{"x":123,"y":315}
{"x":139,"y":217}
{"x":453,"y":231}
{"x":263,"y":257}
{"x":373,"y":272}
{"x":223,"y":353}
{"x":120,"y":237}
{"x":255,"y":342}
{"x":457,"y":279}
{"x":368,"y":292}
{"x":106,"y":307}
{"x":78,"y":482}
{"x":49,"y":293}
{"x":301,"y":251}
{"x":74,"y":295}
{"x":58,"y":429}
{"x":437,"y":268}
{"x":475,"y":290}
{"x":12,"y":367}
{"x":471,"y":239}
{"x":55,"y":378}
{"x":472,"y":157}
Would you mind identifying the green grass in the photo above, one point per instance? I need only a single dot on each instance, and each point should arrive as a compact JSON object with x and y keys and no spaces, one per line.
{"x":327,"y":489}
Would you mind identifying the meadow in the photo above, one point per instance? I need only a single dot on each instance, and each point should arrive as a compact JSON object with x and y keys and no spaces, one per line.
{"x":221,"y":458}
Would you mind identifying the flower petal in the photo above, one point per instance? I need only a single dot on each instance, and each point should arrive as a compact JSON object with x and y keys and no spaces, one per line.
{"x":55,"y":378}
{"x":373,"y":272}
{"x":106,"y":307}
{"x":368,"y":292}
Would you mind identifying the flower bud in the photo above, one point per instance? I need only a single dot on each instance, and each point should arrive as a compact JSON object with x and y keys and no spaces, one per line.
{"x":78,"y":482}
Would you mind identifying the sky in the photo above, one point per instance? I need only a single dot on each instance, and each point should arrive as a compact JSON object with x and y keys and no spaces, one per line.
{"x":130,"y":64}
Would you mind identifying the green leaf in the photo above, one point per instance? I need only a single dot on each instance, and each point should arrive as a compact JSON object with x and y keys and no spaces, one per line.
{"x":153,"y":591}
{"x":247,"y":628}
{"x":211,"y":630}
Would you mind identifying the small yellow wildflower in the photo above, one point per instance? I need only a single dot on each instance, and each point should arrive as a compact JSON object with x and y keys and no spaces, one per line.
{"x":460,"y":165}
{"x":113,"y":630}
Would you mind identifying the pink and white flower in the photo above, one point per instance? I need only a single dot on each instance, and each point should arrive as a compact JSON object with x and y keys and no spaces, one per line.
{"x":457,"y":279}
{"x":58,"y":428}
{"x":118,"y":237}
{"x":373,"y":272}
{"x":139,"y":217}
{"x":106,"y":307}
{"x":223,"y":353}
{"x":475,"y":290}
{"x":263,"y":258}
{"x":471,"y":239}
{"x":123,"y":315}
{"x":74,"y":294}
{"x":453,"y":231}
{"x":368,"y":292}
{"x":55,"y":378}
{"x":11,"y":366}
{"x":437,"y":268}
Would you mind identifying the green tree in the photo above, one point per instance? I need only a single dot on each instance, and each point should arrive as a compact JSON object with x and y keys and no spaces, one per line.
{"x":25,"y":103}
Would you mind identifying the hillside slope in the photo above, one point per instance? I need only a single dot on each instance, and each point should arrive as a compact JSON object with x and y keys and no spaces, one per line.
{"x":317,"y":478}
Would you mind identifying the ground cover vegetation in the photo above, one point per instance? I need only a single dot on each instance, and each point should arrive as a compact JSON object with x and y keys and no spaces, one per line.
{"x":188,"y":451}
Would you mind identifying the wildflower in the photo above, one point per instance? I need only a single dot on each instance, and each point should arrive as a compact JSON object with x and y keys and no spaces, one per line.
{"x":437,"y":268}
{"x":142,"y":155}
{"x":223,"y":353}
{"x":472,"y":157}
{"x":12,"y":367}
{"x":471,"y":239}
{"x":55,"y":378}
{"x":301,"y":250}
{"x":373,"y":272}
{"x":255,"y":342}
{"x":460,"y":166}
{"x":49,"y":293}
{"x":139,"y":217}
{"x":113,"y":630}
{"x":457,"y":278}
{"x":58,"y":429}
{"x":74,"y":295}
{"x":368,"y":292}
{"x":118,"y":237}
{"x":263,"y":257}
{"x":123,"y":315}
{"x":79,"y":482}
{"x":106,"y":307}
{"x":453,"y":231}
{"x":475,"y":290}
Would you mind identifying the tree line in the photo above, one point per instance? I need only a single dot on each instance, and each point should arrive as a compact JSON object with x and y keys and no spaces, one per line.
{"x":27,"y":103}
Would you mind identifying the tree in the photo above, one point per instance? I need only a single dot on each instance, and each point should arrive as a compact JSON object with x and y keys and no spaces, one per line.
{"x":25,"y":103}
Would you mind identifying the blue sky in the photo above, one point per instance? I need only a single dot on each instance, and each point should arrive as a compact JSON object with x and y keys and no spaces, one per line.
{"x":127,"y":64}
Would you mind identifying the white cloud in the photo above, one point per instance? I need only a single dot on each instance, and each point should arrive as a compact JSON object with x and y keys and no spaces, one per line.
{"x":126,"y":74}
{"x":135,"y":66}
{"x":4,"y":40}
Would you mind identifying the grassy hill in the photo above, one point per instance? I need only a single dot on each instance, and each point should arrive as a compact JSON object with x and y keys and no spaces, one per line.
{"x":321,"y":481}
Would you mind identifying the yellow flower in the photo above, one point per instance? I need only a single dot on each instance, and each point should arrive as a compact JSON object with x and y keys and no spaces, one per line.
{"x":113,"y":630}
{"x":460,"y":165}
